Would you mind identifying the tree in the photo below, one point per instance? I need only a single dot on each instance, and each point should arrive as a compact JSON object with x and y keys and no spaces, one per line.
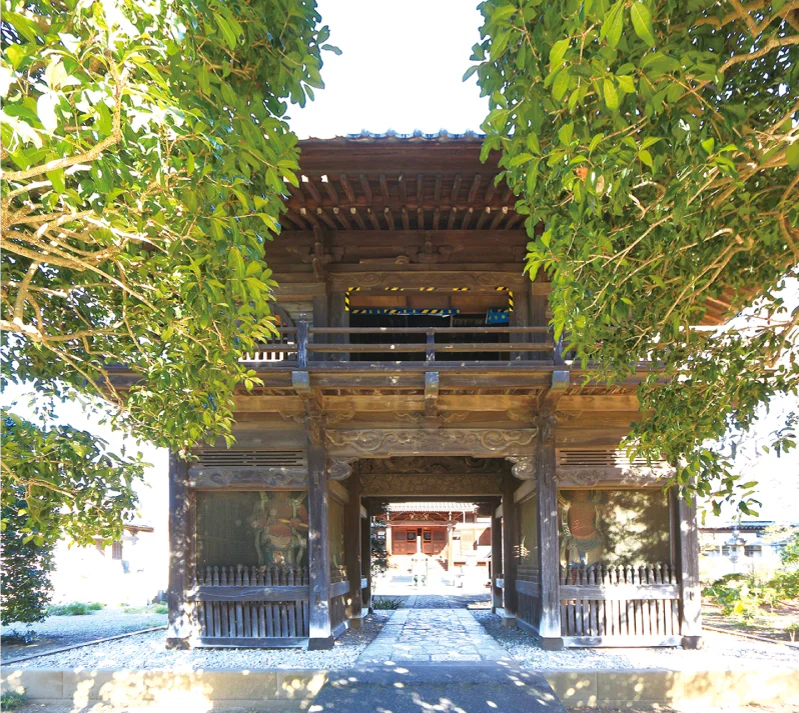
{"x":144,"y":158}
{"x":25,"y":567}
{"x":654,"y":147}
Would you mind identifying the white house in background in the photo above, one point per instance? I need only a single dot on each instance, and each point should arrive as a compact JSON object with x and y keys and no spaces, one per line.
{"x":743,"y":547}
{"x":127,"y":571}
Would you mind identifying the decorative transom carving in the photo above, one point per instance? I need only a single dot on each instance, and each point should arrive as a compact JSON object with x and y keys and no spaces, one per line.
{"x":407,"y":441}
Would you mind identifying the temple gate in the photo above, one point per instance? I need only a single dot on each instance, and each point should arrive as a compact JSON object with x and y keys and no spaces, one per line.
{"x":415,"y":361}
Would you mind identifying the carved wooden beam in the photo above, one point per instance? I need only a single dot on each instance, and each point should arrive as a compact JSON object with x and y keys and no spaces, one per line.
{"x":476,"y":281}
{"x":476,"y":442}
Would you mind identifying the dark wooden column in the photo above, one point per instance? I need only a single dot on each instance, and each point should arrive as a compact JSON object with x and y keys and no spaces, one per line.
{"x":338,"y":316}
{"x":181,"y":546}
{"x":549,"y":552}
{"x":320,"y":319}
{"x":320,"y":632}
{"x":688,"y":560}
{"x":366,"y":559}
{"x":538,"y":318}
{"x":510,"y":541}
{"x":496,"y":559}
{"x":352,"y":535}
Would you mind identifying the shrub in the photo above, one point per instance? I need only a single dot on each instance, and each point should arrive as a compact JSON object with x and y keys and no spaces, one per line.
{"x":386,"y":603}
{"x":15,"y":637}
{"x":746,"y":594}
{"x":25,"y":565}
{"x":73,"y":609}
{"x":11,"y":700}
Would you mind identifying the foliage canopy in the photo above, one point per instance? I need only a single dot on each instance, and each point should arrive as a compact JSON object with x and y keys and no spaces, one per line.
{"x":143,"y":168}
{"x":25,"y":565}
{"x":657,"y":143}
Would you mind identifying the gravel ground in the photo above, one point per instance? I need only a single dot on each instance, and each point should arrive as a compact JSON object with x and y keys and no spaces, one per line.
{"x":56,"y":632}
{"x":721,"y":652}
{"x":147,"y":652}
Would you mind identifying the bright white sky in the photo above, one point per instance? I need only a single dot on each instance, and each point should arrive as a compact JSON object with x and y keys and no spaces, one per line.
{"x":401,"y":69}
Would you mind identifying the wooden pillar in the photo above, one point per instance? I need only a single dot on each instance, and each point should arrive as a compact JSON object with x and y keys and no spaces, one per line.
{"x":538,"y":318}
{"x":520,"y":317}
{"x":181,"y":554}
{"x":496,"y":560}
{"x":320,"y":319}
{"x":510,"y":537}
{"x":320,"y":632}
{"x":688,"y":561}
{"x":339,"y":317}
{"x":389,"y":541}
{"x":450,"y":553}
{"x":549,"y":551}
{"x":352,"y":535}
{"x":366,"y":560}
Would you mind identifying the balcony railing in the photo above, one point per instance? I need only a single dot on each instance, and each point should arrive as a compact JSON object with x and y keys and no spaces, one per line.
{"x":303,"y":345}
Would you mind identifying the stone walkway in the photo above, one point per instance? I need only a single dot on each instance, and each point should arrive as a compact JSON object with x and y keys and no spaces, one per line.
{"x":444,"y":601}
{"x":433,"y":635}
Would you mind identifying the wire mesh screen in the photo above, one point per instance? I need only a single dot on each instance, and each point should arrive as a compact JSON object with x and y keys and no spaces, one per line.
{"x":252,"y":528}
{"x":627,"y":527}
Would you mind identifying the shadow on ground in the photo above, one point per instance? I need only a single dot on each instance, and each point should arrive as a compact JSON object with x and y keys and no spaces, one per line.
{"x":448,"y":688}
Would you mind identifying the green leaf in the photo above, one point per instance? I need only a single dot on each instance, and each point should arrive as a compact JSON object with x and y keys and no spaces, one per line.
{"x":561,"y":83}
{"x":642,"y":22}
{"x":792,"y":155}
{"x":519,"y":159}
{"x":611,"y":96}
{"x":57,"y":179}
{"x":565,"y":134}
{"x":614,"y":24}
{"x":626,"y":84}
{"x":645,"y":157}
{"x":708,"y":145}
{"x":558,"y":52}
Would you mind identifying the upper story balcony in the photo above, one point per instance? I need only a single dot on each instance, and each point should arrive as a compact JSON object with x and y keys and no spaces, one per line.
{"x":407,"y":348}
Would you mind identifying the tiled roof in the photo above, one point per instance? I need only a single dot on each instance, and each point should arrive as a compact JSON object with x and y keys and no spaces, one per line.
{"x":431,"y":507}
{"x":392,"y":136}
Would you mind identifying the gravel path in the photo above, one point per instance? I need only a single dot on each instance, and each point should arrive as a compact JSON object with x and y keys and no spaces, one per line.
{"x":721,"y":652}
{"x":56,"y":632}
{"x":147,"y":652}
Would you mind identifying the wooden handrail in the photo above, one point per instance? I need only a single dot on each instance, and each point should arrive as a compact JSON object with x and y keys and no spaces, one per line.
{"x":424,"y":347}
{"x":305,"y":342}
{"x":427,"y":330}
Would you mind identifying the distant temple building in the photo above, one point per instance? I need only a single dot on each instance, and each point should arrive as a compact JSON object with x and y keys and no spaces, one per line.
{"x":451,"y":534}
{"x":415,"y":364}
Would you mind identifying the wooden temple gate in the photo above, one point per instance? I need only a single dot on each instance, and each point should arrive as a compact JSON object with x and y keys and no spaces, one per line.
{"x":415,"y":361}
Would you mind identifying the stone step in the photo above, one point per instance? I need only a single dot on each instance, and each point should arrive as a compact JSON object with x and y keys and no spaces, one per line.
{"x":472,"y":688}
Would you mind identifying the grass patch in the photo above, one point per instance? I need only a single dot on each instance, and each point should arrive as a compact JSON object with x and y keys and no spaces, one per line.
{"x":73,"y":609}
{"x":11,"y":700}
{"x":157,"y":608}
{"x":386,"y":603}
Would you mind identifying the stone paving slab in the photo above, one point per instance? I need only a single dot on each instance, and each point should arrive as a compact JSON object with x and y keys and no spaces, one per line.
{"x":433,"y":635}
{"x":451,"y":687}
